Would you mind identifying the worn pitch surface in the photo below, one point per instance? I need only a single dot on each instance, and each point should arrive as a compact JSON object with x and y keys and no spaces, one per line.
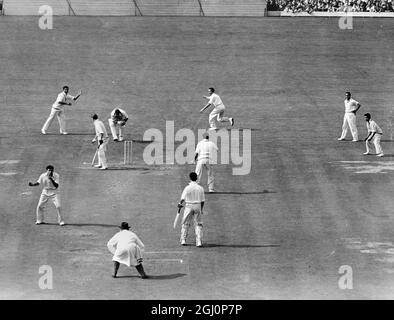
{"x":310,"y":204}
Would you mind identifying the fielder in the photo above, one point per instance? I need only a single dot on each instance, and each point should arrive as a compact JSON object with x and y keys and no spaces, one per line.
{"x":218,"y":111}
{"x":375,"y":133}
{"x":127,"y":249}
{"x":63,"y":99}
{"x":50,"y":182}
{"x":203,"y":155}
{"x":349,"y":119}
{"x":194,"y":197}
{"x":102,"y":139}
{"x":118,"y":119}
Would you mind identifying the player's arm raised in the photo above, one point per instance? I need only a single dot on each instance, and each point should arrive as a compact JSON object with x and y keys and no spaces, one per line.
{"x":55,"y":184}
{"x":78,"y":95}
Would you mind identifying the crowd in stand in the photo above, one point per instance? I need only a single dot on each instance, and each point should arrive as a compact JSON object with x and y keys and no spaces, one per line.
{"x":309,"y":6}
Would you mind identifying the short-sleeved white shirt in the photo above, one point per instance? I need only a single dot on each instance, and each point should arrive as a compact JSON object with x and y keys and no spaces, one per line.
{"x":215,"y":100}
{"x":61,"y":97}
{"x":100,"y":128}
{"x":123,"y":116}
{"x":372,"y":126}
{"x":205,"y":149}
{"x":350,"y":105}
{"x":193,"y":193}
{"x":48,"y":187}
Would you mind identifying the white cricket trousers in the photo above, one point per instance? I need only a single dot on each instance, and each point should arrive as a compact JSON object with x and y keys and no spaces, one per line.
{"x":192,"y":213}
{"x":102,"y":160}
{"x":42,"y":203}
{"x":60,"y":117}
{"x":201,"y":164}
{"x":217,"y":115}
{"x":376,"y":142}
{"x":113,"y":127}
{"x":349,"y":121}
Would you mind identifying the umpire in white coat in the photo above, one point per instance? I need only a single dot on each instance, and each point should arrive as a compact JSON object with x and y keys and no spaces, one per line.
{"x":127,"y":249}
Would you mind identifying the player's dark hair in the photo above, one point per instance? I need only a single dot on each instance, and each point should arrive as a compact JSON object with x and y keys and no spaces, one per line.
{"x":206,"y":136}
{"x":95,"y":117}
{"x":50,"y":167}
{"x":347,"y":92}
{"x":193,"y":176}
{"x":368,"y":115}
{"x":117,"y":111}
{"x":212,"y":89}
{"x":66,"y":87}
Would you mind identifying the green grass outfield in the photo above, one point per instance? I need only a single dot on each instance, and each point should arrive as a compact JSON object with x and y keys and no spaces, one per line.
{"x":285,"y":78}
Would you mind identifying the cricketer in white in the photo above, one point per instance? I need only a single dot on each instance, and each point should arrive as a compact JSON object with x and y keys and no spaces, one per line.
{"x":63,"y":99}
{"x":349,"y":119}
{"x":102,"y":138}
{"x":118,"y":120}
{"x":217,"y":114}
{"x":374,"y":133}
{"x":204,"y":156}
{"x":194,"y":197}
{"x":50,"y":182}
{"x":127,"y":249}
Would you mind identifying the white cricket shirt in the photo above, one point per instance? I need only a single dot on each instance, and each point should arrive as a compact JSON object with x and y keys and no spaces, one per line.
{"x":205,"y":149}
{"x":193,"y":193}
{"x":350,"y":105}
{"x":215,"y":100}
{"x":48,"y":187}
{"x":124,"y":115}
{"x":61,"y":97}
{"x":372,"y":126}
{"x":100,"y":128}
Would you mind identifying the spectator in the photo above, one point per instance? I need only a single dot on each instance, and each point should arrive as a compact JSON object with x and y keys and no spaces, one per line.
{"x":310,"y":6}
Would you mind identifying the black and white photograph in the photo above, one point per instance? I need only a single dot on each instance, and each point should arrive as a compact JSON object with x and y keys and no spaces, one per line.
{"x":221,"y":151}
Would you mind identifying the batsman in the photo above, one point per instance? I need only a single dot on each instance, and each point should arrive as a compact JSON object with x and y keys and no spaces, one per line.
{"x":118,"y":119}
{"x":193,"y":196}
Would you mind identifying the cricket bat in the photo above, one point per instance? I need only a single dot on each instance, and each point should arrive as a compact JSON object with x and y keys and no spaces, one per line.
{"x":177,"y":217}
{"x":94,"y":158}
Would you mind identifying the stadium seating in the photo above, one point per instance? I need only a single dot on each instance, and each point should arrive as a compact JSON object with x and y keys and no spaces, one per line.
{"x":297,"y":6}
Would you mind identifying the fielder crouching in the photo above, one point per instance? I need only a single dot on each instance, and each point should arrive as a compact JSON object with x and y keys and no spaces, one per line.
{"x":193,"y":196}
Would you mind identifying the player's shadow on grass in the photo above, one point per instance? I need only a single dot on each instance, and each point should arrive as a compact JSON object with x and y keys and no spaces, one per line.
{"x":141,"y":141}
{"x":129,"y":168}
{"x":89,"y":225}
{"x":239,"y":192}
{"x":158,"y":277}
{"x":214,"y":245}
{"x":79,"y":134}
